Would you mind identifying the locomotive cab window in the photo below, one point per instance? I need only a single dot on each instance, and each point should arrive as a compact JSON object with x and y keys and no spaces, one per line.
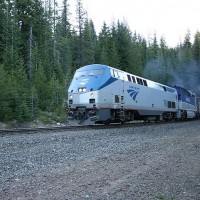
{"x":95,"y":72}
{"x":169,"y":104}
{"x":114,"y":73}
{"x":133,"y":79}
{"x":139,"y":81}
{"x":129,"y":77}
{"x":80,"y":74}
{"x":117,"y":74}
{"x":145,"y":82}
{"x":121,"y":75}
{"x":116,"y":99}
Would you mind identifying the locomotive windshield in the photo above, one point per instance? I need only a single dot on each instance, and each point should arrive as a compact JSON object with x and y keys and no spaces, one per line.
{"x":95,"y":72}
{"x":80,"y":73}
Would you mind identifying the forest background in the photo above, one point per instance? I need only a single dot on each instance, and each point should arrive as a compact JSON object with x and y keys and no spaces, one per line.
{"x":40,"y":49}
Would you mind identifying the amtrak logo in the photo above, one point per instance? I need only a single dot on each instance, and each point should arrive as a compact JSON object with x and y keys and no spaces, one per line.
{"x":133,"y":93}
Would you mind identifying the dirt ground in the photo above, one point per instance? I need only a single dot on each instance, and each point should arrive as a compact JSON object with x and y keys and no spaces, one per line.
{"x":151,"y":162}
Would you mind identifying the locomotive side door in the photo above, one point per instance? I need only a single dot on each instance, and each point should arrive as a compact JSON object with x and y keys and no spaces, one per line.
{"x":121,"y":76}
{"x":118,"y":93}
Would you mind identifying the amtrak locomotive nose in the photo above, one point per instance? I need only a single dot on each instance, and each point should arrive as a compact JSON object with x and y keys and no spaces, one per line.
{"x":84,"y":91}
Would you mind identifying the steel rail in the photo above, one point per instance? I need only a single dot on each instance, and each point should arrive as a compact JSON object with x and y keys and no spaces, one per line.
{"x":15,"y":131}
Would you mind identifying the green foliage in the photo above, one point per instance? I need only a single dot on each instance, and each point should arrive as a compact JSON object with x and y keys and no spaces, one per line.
{"x":14,"y":96}
{"x":187,"y":48}
{"x":24,"y":113}
{"x":124,"y":46}
{"x":80,"y":19}
{"x":196,"y":48}
{"x":89,"y":43}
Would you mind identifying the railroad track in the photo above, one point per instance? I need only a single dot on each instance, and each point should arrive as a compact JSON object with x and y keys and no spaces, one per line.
{"x":4,"y":132}
{"x":63,"y":128}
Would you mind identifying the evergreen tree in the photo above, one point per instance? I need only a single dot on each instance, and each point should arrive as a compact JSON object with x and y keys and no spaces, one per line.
{"x":136,"y":60}
{"x":196,"y":48}
{"x":104,"y":37}
{"x":80,"y":17}
{"x":104,"y":56}
{"x":21,"y":85}
{"x":155,"y":68}
{"x":187,"y":48}
{"x":30,"y":19}
{"x":15,"y":92}
{"x":46,"y":53}
{"x":163,"y":47}
{"x":143,"y":51}
{"x":2,"y":29}
{"x":10,"y":38}
{"x":64,"y":39}
{"x":57,"y":94}
{"x":153,"y":49}
{"x":4,"y":101}
{"x":124,"y":46}
{"x":129,"y":58}
{"x":42,"y":87}
{"x":89,"y":43}
{"x":113,"y":55}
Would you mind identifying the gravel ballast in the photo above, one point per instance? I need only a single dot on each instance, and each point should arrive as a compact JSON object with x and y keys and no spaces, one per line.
{"x":146,"y":162}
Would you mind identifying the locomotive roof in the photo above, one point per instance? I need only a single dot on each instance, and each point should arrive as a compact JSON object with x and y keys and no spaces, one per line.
{"x":123,"y":76}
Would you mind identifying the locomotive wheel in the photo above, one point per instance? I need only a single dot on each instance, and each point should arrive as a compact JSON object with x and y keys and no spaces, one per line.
{"x":107,"y":123}
{"x":183,"y":115}
{"x":123,"y":122}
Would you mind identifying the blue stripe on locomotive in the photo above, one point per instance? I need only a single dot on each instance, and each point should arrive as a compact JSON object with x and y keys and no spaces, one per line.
{"x":92,"y":83}
{"x":185,"y":96}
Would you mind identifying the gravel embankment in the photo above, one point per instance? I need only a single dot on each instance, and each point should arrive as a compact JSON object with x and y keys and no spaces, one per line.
{"x":149,"y":162}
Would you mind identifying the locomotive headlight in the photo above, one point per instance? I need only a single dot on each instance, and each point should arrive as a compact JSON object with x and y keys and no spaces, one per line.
{"x":92,"y":94}
{"x":70,"y":96}
{"x":81,"y":89}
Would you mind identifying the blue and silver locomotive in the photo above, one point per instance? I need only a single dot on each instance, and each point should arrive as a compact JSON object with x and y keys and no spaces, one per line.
{"x":103,"y":94}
